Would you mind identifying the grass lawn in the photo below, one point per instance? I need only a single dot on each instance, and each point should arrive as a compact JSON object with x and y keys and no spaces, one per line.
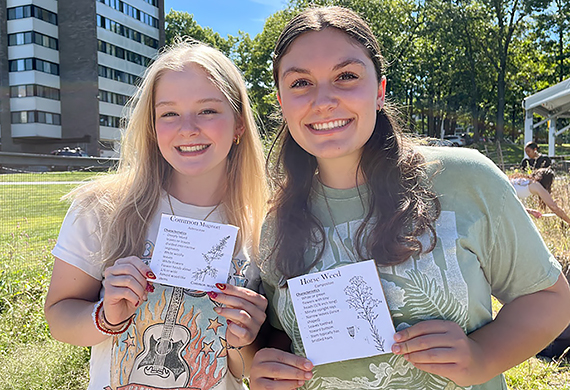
{"x":30,"y":216}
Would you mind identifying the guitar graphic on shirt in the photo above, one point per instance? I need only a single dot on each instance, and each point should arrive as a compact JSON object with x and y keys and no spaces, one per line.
{"x":160,"y":363}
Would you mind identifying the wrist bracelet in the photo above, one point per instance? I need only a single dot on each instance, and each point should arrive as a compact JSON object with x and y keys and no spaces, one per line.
{"x":103,"y":326}
{"x":241,"y":357}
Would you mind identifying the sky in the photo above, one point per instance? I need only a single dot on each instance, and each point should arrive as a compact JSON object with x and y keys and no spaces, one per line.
{"x":228,"y":16}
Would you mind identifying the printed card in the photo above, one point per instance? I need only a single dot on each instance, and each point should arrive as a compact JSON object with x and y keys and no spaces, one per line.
{"x":342,"y":313}
{"x":193,"y":254}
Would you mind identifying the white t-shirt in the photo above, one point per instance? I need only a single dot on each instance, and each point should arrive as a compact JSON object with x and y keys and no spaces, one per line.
{"x":521,"y":187}
{"x":196,"y":356}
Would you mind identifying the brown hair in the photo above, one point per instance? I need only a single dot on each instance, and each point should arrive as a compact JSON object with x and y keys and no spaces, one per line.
{"x":401,"y":201}
{"x":544,"y":176}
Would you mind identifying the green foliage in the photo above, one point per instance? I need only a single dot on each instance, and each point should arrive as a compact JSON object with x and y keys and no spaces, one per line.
{"x":182,"y":24}
{"x":30,"y":216}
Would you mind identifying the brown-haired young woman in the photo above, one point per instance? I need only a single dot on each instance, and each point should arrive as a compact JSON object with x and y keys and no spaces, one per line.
{"x":444,"y":227}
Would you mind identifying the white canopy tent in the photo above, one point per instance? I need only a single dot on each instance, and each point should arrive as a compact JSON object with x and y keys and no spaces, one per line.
{"x":551,"y":103}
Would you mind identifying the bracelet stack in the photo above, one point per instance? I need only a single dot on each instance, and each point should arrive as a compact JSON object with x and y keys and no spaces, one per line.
{"x":105,"y":326}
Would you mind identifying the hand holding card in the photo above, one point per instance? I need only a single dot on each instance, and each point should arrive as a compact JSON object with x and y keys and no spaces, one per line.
{"x":342,"y":313}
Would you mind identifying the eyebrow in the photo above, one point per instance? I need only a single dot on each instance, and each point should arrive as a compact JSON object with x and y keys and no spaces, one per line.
{"x":345,"y":63}
{"x":201,"y":101}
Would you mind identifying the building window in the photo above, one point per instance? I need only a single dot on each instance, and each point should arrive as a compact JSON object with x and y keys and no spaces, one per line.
{"x":49,"y":118}
{"x":109,"y":121}
{"x":18,"y":91}
{"x":29,"y":11}
{"x":125,"y":31}
{"x":24,"y":64}
{"x":131,"y":11}
{"x":112,"y":97}
{"x":152,"y":2}
{"x":119,"y":52}
{"x":24,"y":38}
{"x":118,"y":75}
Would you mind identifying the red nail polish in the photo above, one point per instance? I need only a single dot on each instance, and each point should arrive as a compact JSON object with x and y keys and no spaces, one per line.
{"x":221,"y":286}
{"x":212,"y":294}
{"x":150,"y":288}
{"x":150,"y":275}
{"x":229,"y":321}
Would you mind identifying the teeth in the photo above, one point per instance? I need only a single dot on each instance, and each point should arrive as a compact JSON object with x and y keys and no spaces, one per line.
{"x":196,"y":148}
{"x":329,"y":125}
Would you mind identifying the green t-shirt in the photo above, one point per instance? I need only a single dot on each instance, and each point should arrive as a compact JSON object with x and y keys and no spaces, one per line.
{"x":486,"y":245}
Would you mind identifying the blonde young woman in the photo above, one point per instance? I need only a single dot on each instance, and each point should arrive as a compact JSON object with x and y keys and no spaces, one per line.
{"x":191,"y":148}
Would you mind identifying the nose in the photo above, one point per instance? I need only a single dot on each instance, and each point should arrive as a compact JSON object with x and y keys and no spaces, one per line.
{"x":189,"y":125}
{"x":325,"y":98}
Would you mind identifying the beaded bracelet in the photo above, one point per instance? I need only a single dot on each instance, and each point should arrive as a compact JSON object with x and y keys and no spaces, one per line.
{"x":102,"y":324}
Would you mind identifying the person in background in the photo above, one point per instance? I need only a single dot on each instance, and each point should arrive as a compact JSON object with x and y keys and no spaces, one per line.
{"x":444,"y":227}
{"x":538,"y":183}
{"x":535,"y":160}
{"x":191,"y":149}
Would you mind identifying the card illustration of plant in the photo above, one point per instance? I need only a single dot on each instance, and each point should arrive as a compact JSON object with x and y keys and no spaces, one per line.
{"x":360,"y":298}
{"x":215,"y":253}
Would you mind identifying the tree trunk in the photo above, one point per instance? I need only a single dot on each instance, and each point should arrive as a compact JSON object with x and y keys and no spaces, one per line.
{"x":500,"y":125}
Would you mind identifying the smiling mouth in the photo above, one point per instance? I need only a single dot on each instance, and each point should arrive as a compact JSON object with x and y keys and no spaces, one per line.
{"x":330,"y":125}
{"x":195,"y":148}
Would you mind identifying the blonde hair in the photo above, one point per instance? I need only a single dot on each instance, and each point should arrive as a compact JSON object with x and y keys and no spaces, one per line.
{"x":126,"y":201}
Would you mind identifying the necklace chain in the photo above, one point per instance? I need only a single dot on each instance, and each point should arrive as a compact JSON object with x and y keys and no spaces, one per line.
{"x":349,"y":253}
{"x":207,"y":216}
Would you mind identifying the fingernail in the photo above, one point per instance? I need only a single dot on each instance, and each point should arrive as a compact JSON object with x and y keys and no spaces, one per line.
{"x":149,"y":288}
{"x":308,"y":365}
{"x":396,"y":348}
{"x":221,"y":286}
{"x":229,"y":321}
{"x":398,"y":337}
{"x":212,"y":294}
{"x":138,"y":303}
{"x":217,"y":309}
{"x":300,"y":383}
{"x":308,"y":375}
{"x":150,"y":275}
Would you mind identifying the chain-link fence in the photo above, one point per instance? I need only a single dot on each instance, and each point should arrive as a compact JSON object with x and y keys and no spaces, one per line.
{"x":31,"y":212}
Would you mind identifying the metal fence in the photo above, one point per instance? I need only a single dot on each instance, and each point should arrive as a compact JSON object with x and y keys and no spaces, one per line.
{"x":31,"y":209}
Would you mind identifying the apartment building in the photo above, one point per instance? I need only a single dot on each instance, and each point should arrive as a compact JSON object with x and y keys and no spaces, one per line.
{"x":68,"y":67}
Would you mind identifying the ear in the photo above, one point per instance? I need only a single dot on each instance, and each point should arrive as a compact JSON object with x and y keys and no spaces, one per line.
{"x":240,"y":128}
{"x":381,"y":93}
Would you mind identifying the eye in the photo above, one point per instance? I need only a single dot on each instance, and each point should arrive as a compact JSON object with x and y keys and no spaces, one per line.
{"x":168,"y":114}
{"x":208,"y":111}
{"x":299,"y":83}
{"x":348,"y":76}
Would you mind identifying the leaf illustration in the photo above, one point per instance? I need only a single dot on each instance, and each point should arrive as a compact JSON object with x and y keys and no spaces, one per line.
{"x":425,"y":299}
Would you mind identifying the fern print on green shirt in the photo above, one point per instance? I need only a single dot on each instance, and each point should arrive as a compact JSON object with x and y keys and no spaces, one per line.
{"x":477,"y":254}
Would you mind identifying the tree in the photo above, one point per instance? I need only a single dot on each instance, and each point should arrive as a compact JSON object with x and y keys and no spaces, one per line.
{"x":553,"y":30}
{"x":508,"y":16}
{"x":182,"y":24}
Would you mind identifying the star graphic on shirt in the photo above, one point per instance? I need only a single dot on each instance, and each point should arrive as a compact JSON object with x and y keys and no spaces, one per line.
{"x":207,"y":347}
{"x":214,"y":324}
{"x":224,"y":350}
{"x":130,"y":341}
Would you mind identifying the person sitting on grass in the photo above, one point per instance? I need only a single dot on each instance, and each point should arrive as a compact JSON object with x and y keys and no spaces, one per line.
{"x":535,"y":160}
{"x":538,"y":183}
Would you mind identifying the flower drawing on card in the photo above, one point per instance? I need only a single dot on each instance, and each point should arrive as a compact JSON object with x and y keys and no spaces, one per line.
{"x":215,"y":253}
{"x":360,"y":298}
